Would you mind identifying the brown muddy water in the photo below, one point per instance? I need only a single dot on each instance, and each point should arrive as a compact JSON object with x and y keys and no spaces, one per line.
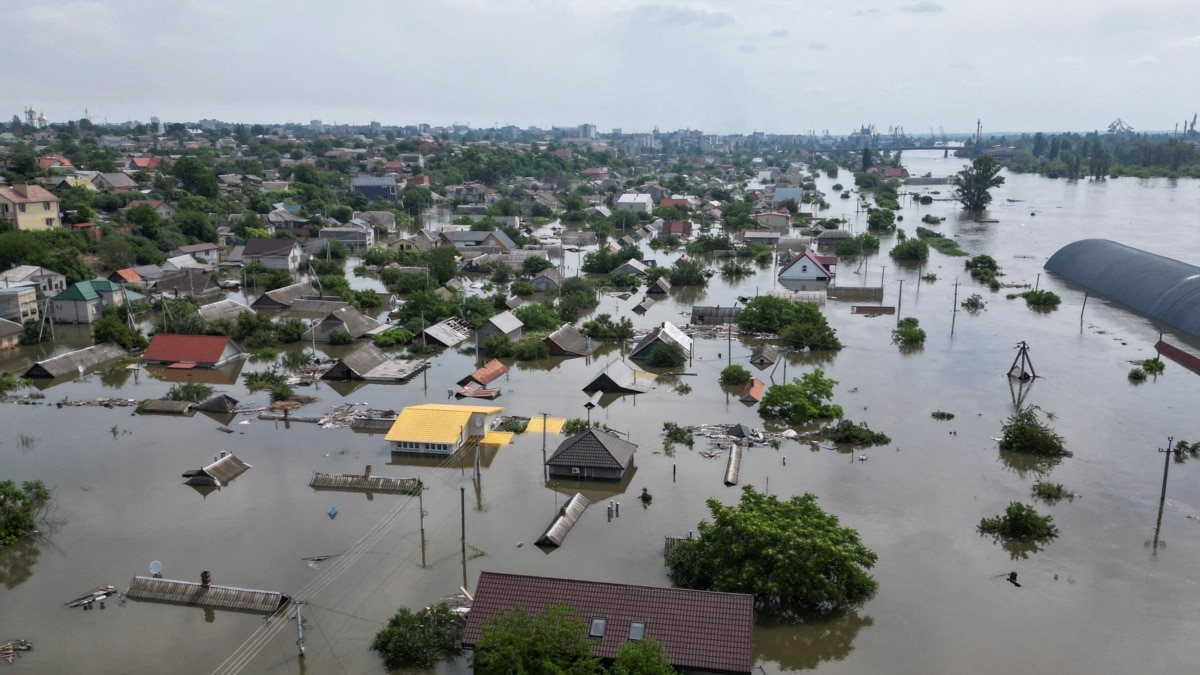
{"x":1099,"y":599}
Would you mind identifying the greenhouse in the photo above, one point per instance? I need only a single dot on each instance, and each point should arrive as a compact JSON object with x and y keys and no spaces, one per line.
{"x":1161,"y":288}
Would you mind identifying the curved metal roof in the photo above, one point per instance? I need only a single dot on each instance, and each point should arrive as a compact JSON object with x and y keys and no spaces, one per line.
{"x":1162,"y":288}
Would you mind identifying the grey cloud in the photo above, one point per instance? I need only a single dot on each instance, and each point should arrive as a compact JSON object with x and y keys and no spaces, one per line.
{"x":921,"y":8}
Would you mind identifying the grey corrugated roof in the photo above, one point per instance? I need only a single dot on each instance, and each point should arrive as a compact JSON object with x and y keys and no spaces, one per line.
{"x":570,"y":341}
{"x":595,"y":449}
{"x":373,"y":181}
{"x":76,"y":362}
{"x":1162,"y":288}
{"x":506,"y":322}
{"x":449,"y":332}
{"x":365,"y":358}
{"x":10,"y":328}
{"x":223,"y":309}
{"x":286,"y":295}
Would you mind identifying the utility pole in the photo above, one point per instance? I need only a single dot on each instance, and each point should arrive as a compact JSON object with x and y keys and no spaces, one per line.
{"x":421,"y":506}
{"x":545,"y":469}
{"x":299,"y":626}
{"x":900,"y":301}
{"x":1162,"y":498}
{"x":954,"y":308}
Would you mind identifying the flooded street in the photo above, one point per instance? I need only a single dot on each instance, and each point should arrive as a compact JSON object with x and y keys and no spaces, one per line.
{"x":1099,"y":599}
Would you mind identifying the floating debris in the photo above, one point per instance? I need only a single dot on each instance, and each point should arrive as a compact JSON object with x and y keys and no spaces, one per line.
{"x":13,"y":648}
{"x":97,"y":595}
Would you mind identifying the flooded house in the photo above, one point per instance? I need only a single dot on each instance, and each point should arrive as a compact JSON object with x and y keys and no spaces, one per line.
{"x":700,"y":631}
{"x":175,"y":350}
{"x":440,"y":429}
{"x":345,"y":320}
{"x":10,"y":334}
{"x":591,"y":454}
{"x":84,"y":302}
{"x":505,"y":323}
{"x":283,"y":298}
{"x":76,"y":363}
{"x":666,"y":333}
{"x":568,"y":341}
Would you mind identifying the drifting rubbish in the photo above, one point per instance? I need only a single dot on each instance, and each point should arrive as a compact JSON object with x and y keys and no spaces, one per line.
{"x":332,"y":512}
{"x":563,"y":521}
{"x":1012,"y":579}
{"x":13,"y":648}
{"x":225,"y":430}
{"x":97,"y":595}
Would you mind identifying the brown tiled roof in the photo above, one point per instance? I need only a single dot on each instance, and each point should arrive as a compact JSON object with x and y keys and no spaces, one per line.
{"x":487,"y":374}
{"x":593,"y":449}
{"x":753,"y":391}
{"x":700,"y":630}
{"x":176,"y":348}
{"x":278,"y":248}
{"x":36,"y":194}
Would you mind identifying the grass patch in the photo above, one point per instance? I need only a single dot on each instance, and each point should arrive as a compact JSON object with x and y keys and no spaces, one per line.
{"x":1024,"y":432}
{"x":940,"y":242}
{"x":860,"y":434}
{"x":1052,"y":493}
{"x":942,"y":415}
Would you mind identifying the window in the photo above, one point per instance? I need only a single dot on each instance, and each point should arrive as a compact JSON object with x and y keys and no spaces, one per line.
{"x":597,"y":628}
{"x":21,"y":207}
{"x":575,"y":470}
{"x":637,"y":630}
{"x":46,"y":206}
{"x":49,"y":222}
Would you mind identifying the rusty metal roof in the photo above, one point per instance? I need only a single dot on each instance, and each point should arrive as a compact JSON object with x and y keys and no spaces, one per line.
{"x":487,"y":374}
{"x":193,"y":593}
{"x":699,"y":630}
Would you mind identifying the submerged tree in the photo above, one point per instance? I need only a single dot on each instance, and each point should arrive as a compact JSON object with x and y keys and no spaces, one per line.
{"x":972,"y":185}
{"x":791,"y":555}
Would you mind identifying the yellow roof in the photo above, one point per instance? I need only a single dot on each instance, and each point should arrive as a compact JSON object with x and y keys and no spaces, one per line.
{"x":435,"y":422}
{"x":554,"y":425}
{"x":497,"y":438}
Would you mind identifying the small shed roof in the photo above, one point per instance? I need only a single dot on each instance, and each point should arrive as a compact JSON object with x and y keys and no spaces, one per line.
{"x":223,"y":309}
{"x":506,"y":322}
{"x":487,"y":374}
{"x":667,"y":332}
{"x":567,"y":340}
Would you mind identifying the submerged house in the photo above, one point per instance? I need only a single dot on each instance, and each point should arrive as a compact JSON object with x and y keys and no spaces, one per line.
{"x":85,"y":301}
{"x":77,"y":362}
{"x":449,"y":333}
{"x":591,"y":454}
{"x":667,"y":333}
{"x":700,"y":631}
{"x":619,"y":377}
{"x":367,"y":362}
{"x":282,"y":298}
{"x":568,"y":341}
{"x":805,"y":267}
{"x":505,"y":323}
{"x":187,"y":283}
{"x":346,"y":320}
{"x":440,"y":428}
{"x":191,"y":351}
{"x":713,"y":316}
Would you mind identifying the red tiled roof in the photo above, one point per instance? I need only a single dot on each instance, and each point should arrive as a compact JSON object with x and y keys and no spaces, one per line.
{"x":700,"y":630}
{"x":811,"y":257}
{"x":671,"y":201}
{"x":488,"y":373}
{"x":36,"y":194}
{"x":682,"y":228}
{"x":753,"y":391}
{"x":147,"y":162}
{"x":47,"y":161}
{"x":174,"y":348}
{"x":128,"y":275}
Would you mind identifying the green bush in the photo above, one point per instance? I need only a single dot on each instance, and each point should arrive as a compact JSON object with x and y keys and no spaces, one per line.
{"x":931,"y":219}
{"x":498,"y":347}
{"x":392,"y":338}
{"x":522,"y":288}
{"x":942,"y":415}
{"x":677,"y":434}
{"x":908,"y":333}
{"x":1041,"y":299}
{"x":973,"y":303}
{"x":915,"y":250}
{"x":735,"y":376}
{"x":532,"y":350}
{"x":881,"y":219}
{"x":189,"y":391}
{"x":1137,"y":375}
{"x":1024,"y":432}
{"x":1020,"y":522}
{"x":1154,"y":366}
{"x":849,"y":433}
{"x":1052,"y":493}
{"x":340,"y":337}
{"x":604,"y":328}
{"x":420,"y":639}
{"x":857,"y":245}
{"x":281,"y":392}
{"x":19,"y":509}
{"x":263,"y":379}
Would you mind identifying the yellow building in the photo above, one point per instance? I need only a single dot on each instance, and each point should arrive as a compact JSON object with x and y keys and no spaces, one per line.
{"x":440,"y":428}
{"x":31,"y":207}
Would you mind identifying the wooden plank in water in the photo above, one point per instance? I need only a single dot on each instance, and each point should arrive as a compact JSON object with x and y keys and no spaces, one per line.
{"x":1178,"y":356}
{"x":871,"y":310}
{"x":177,"y":592}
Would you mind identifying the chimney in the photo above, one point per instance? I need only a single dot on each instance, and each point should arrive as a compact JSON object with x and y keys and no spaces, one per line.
{"x":21,"y":188}
{"x":205,"y":579}
{"x":367,"y":473}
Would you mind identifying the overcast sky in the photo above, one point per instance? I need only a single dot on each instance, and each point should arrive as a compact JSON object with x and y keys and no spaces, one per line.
{"x":722,"y":66}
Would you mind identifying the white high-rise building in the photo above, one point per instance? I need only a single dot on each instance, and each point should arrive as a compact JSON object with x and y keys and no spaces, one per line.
{"x":158,"y":126}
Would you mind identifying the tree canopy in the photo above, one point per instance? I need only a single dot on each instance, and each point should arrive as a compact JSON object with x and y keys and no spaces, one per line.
{"x":790,"y":555}
{"x":802,"y":401}
{"x":518,"y":642}
{"x":973,"y":185}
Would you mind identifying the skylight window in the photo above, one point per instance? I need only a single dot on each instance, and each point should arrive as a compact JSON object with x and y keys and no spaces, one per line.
{"x":637,"y":630}
{"x":597,"y":629}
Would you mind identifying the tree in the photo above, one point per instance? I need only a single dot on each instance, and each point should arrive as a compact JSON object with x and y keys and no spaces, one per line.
{"x":534,"y":264}
{"x":19,"y":509}
{"x":881,"y":219}
{"x":802,"y":401}
{"x":112,"y":328}
{"x":735,"y":375}
{"x":972,"y":185}
{"x":189,"y":391}
{"x":1022,"y":522}
{"x":688,"y":273}
{"x":666,"y":355}
{"x":641,"y":657}
{"x":867,"y":160}
{"x":790,"y":555}
{"x":517,"y":642}
{"x":537,"y":317}
{"x":196,"y":177}
{"x":419,"y":639}
{"x":145,"y":219}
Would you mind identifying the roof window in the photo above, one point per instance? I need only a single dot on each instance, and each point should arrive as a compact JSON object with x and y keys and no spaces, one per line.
{"x":597,"y":629}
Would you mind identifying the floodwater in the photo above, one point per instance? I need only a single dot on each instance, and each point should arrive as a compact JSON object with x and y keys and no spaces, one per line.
{"x":1102,"y":598}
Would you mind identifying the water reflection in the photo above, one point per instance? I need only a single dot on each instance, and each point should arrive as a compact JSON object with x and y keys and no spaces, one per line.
{"x":1026,"y":465}
{"x":1017,"y":549}
{"x":17,"y":561}
{"x":810,"y":642}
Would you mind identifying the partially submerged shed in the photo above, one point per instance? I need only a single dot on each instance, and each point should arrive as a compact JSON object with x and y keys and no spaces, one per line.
{"x":163,"y":406}
{"x":205,"y":594}
{"x":619,"y":377}
{"x":221,"y":403}
{"x":764,"y":354}
{"x":711,"y":316}
{"x":1156,"y":286}
{"x":282,"y":298}
{"x":368,"y":363}
{"x":563,"y":521}
{"x":223,"y":469}
{"x":223,"y":309}
{"x":77,"y":362}
{"x":568,"y":341}
{"x":666,"y":333}
{"x":753,"y":391}
{"x":449,"y":333}
{"x":345,"y":320}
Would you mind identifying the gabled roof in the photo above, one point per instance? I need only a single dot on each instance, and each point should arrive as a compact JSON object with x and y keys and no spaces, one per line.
{"x":486,"y":374}
{"x":593,"y":449}
{"x":88,"y":290}
{"x":35,"y":193}
{"x":699,"y":630}
{"x":660,"y":285}
{"x":119,"y":180}
{"x":191,"y":280}
{"x":567,"y":340}
{"x":10,"y":328}
{"x":619,"y":377}
{"x":506,"y":322}
{"x":365,"y":358}
{"x":447,"y":333}
{"x":285,"y":296}
{"x":809,"y":256}
{"x":752,"y":392}
{"x":176,"y":348}
{"x":633,"y":266}
{"x":479,"y":236}
{"x":269,"y":248}
{"x":667,"y":332}
{"x":435,"y":422}
{"x":76,"y":362}
{"x":346,"y":318}
{"x":127,"y":275}
{"x":223,"y":309}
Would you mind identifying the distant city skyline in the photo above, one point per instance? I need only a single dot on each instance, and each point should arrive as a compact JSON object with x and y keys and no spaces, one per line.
{"x":719,"y":66}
